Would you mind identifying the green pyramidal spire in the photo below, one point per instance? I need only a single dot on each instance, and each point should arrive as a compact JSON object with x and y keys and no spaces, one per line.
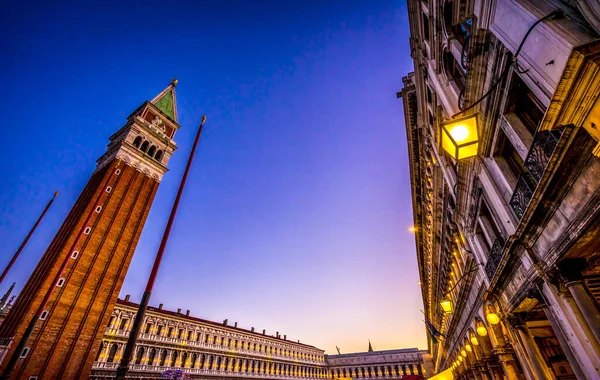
{"x":165,"y":101}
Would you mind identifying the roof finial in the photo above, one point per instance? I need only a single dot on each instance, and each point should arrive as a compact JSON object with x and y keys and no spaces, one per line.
{"x":174,"y":82}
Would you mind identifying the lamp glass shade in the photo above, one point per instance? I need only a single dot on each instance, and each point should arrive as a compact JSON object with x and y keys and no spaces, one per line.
{"x":481,"y":330}
{"x":461,"y":358}
{"x":493,"y":318}
{"x":474,"y":341}
{"x":463,"y":353}
{"x":468,"y":347}
{"x":447,"y":305}
{"x":459,"y":137}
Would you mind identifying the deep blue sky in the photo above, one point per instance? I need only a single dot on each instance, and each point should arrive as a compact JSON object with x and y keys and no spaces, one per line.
{"x":295,"y":217}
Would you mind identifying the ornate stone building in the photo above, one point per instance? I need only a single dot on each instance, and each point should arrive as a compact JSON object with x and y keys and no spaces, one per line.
{"x":389,"y":364}
{"x":68,"y":299}
{"x":203,"y":349}
{"x":210,"y":350}
{"x":507,"y":240}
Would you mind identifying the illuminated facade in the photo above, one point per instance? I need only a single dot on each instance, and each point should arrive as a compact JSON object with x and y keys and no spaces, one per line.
{"x":507,"y":240}
{"x":203,"y":349}
{"x":388,"y":364}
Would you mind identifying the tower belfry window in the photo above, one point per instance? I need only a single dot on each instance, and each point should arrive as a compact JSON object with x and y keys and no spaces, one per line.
{"x":145,"y":146}
{"x":60,"y":282}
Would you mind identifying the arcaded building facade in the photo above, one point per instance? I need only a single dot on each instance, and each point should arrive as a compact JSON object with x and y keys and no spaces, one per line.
{"x":507,"y":240}
{"x":388,"y":364}
{"x":202,"y":349}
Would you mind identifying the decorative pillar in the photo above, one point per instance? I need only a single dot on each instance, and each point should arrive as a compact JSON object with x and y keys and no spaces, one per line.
{"x":571,"y":271}
{"x":538,"y":365}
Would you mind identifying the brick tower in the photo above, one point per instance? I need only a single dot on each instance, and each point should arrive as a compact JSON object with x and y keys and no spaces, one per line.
{"x":96,"y":242}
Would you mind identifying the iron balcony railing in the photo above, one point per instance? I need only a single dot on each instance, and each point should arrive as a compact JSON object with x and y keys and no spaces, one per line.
{"x":522,"y":194}
{"x":540,"y":153}
{"x":542,"y":149}
{"x":494,"y":258}
{"x":465,"y":56}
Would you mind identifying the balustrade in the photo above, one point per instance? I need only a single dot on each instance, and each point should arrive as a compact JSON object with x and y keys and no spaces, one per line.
{"x":494,"y":258}
{"x":538,"y":157}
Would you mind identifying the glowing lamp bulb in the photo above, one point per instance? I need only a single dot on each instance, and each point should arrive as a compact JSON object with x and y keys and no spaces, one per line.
{"x":482,"y":331}
{"x":459,"y":133}
{"x":468,"y":347}
{"x":493,"y":318}
{"x":474,"y":341}
{"x":463,"y":353}
{"x":461,"y":358}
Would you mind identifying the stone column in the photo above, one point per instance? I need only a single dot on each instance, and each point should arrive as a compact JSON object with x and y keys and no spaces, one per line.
{"x":538,"y":365}
{"x":560,"y":335}
{"x":571,"y":271}
{"x":507,"y":361}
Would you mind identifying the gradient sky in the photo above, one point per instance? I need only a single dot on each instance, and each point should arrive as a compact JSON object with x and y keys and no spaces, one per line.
{"x":296,"y":213}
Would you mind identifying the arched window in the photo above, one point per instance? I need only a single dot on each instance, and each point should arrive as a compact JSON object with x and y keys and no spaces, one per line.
{"x":144,"y":147}
{"x":163,"y":358}
{"x":174,"y":359}
{"x":210,"y":362}
{"x":100,"y":351}
{"x":453,"y":70}
{"x":218,"y":362}
{"x":151,"y":356}
{"x":151,"y":151}
{"x":184,"y":359}
{"x":139,"y":355}
{"x":202,"y":360}
{"x":226,"y":364}
{"x":137,"y":141}
{"x":194,"y":359}
{"x":112,"y":353}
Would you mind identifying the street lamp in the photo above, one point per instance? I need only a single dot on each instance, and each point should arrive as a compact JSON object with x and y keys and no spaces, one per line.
{"x":447,"y":305}
{"x":474,"y":341}
{"x":446,"y":302}
{"x":481,"y":330}
{"x":492,"y":318}
{"x":460,"y":138}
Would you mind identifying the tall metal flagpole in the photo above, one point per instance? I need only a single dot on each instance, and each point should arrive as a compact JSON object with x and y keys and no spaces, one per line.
{"x":24,"y":243}
{"x":139,"y":318}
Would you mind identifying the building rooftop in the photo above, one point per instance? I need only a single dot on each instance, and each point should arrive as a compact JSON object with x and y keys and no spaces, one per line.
{"x":186,"y":316}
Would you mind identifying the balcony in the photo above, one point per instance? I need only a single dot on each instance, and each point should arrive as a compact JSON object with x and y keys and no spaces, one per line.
{"x":226,"y":373}
{"x":494,"y":258}
{"x":542,"y":149}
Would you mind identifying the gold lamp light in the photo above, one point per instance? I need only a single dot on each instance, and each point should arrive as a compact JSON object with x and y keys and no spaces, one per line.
{"x":459,"y":137}
{"x":446,"y":304}
{"x":481,"y":330}
{"x":492,"y":318}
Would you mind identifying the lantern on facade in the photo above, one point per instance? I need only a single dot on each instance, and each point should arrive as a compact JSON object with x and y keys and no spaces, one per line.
{"x":463,"y":353}
{"x":460,"y":138}
{"x":492,"y":318}
{"x":481,"y":330}
{"x":468,"y":347}
{"x":447,"y":305}
{"x":474,"y":341}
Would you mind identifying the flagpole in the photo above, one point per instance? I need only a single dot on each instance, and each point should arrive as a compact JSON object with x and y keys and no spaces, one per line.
{"x":16,"y":255}
{"x":139,"y":318}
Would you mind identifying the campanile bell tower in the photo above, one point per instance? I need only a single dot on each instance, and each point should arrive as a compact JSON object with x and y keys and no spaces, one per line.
{"x":76,"y":283}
